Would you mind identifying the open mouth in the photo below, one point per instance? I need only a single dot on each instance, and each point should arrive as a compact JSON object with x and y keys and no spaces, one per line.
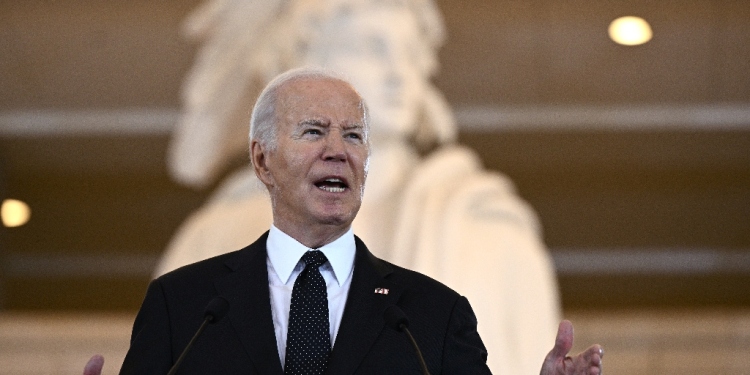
{"x":332,"y":185}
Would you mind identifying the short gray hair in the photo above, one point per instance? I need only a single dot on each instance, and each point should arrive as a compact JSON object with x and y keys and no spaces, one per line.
{"x":263,"y":119}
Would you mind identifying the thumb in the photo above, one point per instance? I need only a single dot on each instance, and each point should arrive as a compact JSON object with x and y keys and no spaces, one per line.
{"x":564,"y":340}
{"x":94,"y":365}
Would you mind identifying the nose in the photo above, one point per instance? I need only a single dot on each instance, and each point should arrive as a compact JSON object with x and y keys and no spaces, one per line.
{"x":335,"y":147}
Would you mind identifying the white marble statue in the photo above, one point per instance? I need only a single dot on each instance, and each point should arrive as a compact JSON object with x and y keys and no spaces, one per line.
{"x":440,"y":214}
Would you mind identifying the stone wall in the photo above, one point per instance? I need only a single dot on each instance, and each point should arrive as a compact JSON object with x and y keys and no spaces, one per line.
{"x":641,"y":342}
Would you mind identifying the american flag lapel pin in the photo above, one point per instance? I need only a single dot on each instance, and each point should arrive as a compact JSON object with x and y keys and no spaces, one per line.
{"x":381,"y":291}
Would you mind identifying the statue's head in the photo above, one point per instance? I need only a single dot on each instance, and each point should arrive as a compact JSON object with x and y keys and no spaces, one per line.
{"x":383,"y":52}
{"x":386,"y":48}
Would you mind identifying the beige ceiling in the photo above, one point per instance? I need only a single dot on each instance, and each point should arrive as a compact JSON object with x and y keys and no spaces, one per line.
{"x":107,"y":54}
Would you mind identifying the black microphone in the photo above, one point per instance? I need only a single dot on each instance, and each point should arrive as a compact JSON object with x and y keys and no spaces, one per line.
{"x":216,"y":309}
{"x":396,"y":319}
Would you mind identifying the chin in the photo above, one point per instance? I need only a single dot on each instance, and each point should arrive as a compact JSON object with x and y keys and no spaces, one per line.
{"x":335,"y":221}
{"x":338,"y":218}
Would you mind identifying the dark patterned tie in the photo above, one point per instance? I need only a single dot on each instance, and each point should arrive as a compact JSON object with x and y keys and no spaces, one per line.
{"x":308,"y":344}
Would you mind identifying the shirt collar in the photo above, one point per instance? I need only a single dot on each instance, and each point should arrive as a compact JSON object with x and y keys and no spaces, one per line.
{"x":285,"y":252}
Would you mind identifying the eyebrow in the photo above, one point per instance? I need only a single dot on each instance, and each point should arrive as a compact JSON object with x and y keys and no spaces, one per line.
{"x":356,"y":125}
{"x":314,"y":122}
{"x":318,"y":122}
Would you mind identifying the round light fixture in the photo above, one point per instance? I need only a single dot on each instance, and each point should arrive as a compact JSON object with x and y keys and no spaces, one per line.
{"x":630,"y":31}
{"x":14,"y":213}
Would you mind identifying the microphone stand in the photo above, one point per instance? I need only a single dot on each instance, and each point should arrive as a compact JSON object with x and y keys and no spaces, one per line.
{"x":176,"y":366}
{"x":215,"y":311}
{"x":422,"y":363}
{"x":396,"y":319}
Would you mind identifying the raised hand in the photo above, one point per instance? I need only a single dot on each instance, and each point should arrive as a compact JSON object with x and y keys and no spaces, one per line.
{"x":94,"y":365}
{"x":558,"y":362}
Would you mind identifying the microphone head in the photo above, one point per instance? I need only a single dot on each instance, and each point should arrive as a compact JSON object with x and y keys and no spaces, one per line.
{"x":395,"y":317}
{"x":216,"y":309}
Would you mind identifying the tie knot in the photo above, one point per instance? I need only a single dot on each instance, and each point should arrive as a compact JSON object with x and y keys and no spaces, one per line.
{"x":314,"y":258}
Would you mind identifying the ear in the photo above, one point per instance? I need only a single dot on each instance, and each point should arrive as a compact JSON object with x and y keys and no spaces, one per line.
{"x":259,"y":158}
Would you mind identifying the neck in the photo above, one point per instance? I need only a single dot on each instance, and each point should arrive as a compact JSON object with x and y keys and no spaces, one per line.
{"x":313,"y":237}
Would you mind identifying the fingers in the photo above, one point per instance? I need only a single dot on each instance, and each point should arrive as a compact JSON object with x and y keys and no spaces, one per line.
{"x":557,"y":360}
{"x":564,"y":340}
{"x":593,"y":354}
{"x":94,"y":365}
{"x":590,"y":361}
{"x":597,"y":353}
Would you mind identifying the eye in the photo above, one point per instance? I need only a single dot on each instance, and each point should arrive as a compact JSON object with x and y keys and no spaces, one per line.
{"x":312,"y":132}
{"x":354,"y":135}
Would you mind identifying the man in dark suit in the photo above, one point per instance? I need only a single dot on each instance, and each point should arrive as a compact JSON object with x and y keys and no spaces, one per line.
{"x":310,"y":147}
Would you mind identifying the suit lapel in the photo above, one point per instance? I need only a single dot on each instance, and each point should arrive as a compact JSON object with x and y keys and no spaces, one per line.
{"x":246,"y":289}
{"x":363,"y":315}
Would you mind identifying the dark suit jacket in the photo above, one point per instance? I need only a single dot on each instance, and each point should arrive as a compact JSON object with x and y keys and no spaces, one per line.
{"x":244,"y":342}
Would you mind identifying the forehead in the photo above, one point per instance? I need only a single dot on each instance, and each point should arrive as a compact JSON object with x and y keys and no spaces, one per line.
{"x":326,"y":98}
{"x":401,"y":28}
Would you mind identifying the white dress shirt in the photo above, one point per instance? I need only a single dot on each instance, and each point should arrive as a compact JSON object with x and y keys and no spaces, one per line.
{"x":285,"y":264}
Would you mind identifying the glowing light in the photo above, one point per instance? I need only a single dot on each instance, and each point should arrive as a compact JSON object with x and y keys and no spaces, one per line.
{"x":630,"y":31}
{"x":14,"y":213}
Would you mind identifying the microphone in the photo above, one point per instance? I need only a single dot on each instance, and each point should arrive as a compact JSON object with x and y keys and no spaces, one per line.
{"x":216,"y":309}
{"x":396,"y":319}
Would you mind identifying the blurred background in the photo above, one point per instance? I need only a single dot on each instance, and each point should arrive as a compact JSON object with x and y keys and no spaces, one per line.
{"x":636,"y":158}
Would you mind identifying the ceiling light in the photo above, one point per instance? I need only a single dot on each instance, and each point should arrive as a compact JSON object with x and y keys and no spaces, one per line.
{"x":14,"y":213}
{"x":630,"y":31}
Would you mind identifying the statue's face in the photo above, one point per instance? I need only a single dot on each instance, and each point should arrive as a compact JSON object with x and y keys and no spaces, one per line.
{"x":378,"y":52}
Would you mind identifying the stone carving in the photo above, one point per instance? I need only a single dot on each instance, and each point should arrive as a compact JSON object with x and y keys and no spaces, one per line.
{"x":440,"y":214}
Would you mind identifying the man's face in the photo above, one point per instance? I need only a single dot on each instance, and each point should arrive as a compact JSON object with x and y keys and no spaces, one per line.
{"x":316,"y":173}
